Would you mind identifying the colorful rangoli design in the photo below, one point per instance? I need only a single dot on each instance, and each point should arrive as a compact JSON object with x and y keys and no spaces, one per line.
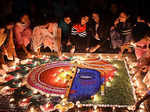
{"x":75,"y":80}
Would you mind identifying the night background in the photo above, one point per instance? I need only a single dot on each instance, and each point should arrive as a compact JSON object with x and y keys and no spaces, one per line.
{"x":17,"y":96}
{"x":42,"y":10}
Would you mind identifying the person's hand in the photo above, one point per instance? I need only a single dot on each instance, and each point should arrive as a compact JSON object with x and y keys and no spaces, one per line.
{"x":116,"y":21}
{"x":112,"y":28}
{"x":87,"y":49}
{"x":2,"y":30}
{"x":10,"y":27}
{"x":97,"y":37}
{"x":136,"y":106}
{"x":68,"y":43}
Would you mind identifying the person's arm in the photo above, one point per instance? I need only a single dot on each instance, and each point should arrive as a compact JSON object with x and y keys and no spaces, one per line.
{"x":146,"y":96}
{"x":60,"y":24}
{"x":116,"y":22}
{"x":148,"y":45}
{"x":18,"y":33}
{"x":45,"y":26}
{"x":11,"y":37}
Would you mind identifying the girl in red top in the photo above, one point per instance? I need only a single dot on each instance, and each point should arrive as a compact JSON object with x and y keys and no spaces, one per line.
{"x":79,"y":36}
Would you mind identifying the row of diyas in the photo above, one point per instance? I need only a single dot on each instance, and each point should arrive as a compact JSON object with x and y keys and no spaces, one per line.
{"x":132,"y":66}
{"x":84,"y":56}
{"x":75,"y":57}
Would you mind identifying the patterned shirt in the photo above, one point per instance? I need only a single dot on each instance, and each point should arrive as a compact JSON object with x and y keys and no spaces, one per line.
{"x":79,"y":30}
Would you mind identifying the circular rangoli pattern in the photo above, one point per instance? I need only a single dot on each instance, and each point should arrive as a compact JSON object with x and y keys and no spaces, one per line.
{"x":50,"y":78}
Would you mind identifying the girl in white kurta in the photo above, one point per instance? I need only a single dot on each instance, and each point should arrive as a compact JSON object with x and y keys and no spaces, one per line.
{"x":46,"y":35}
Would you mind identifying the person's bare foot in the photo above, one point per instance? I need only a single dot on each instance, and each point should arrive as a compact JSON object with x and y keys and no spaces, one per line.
{"x":93,"y":49}
{"x":10,"y":58}
{"x":5,"y":67}
{"x":87,"y":49}
{"x":2,"y":71}
{"x":72,"y":49}
{"x":16,"y":60}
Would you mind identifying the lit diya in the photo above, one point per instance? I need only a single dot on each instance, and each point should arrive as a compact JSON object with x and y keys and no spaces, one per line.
{"x":24,"y":102}
{"x":47,"y":107}
{"x":64,"y":106}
